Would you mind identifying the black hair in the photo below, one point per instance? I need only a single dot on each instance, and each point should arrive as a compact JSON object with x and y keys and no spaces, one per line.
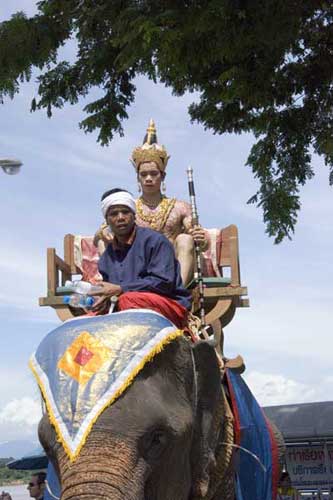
{"x":41,"y":476}
{"x":112,"y":191}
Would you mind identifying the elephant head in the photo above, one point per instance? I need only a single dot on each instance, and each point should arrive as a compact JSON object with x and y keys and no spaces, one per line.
{"x":155,"y":442}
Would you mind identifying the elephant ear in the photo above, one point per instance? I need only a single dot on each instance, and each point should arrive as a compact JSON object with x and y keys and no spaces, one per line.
{"x":204,"y":438}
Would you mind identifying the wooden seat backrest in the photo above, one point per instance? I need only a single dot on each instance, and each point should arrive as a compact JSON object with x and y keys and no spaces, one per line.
{"x":229,"y":257}
{"x":69,"y":253}
{"x":230,"y":253}
{"x":225,"y":243}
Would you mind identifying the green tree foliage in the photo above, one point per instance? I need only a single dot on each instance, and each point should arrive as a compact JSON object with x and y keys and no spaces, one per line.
{"x":9,"y":476}
{"x":261,"y":66}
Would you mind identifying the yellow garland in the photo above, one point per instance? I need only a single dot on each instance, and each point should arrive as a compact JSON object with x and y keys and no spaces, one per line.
{"x":158,"y":218}
{"x":73,"y":456}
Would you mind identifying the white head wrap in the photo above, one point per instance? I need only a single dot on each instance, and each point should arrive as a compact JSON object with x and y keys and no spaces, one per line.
{"x":119,"y":198}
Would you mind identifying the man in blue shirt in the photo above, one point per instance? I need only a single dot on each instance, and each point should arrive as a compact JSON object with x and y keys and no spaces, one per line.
{"x":139,"y":265}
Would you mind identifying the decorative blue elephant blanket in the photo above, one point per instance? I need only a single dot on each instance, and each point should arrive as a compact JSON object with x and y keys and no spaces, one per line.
{"x":86,"y":363}
{"x":257,"y":460}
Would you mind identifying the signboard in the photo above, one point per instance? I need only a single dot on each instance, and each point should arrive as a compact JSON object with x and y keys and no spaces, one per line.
{"x":310,"y":466}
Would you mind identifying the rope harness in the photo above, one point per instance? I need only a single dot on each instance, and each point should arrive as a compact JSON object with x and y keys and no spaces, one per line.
{"x":195,"y":386}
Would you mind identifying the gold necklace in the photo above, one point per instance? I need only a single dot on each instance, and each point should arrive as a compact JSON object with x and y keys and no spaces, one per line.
{"x":151,"y":205}
{"x":158,"y":218}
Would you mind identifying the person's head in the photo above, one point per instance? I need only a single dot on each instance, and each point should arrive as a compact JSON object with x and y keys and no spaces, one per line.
{"x":150,"y":177}
{"x":36,"y":485}
{"x":118,"y":207}
{"x":150,"y":161}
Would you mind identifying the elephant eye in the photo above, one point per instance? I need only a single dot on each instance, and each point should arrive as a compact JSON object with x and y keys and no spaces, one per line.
{"x":153,"y":444}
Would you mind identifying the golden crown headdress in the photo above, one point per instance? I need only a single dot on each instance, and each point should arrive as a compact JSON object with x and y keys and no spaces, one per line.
{"x":150,"y":150}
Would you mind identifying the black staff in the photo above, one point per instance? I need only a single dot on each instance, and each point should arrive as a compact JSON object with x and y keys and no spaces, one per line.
{"x":198,"y":274}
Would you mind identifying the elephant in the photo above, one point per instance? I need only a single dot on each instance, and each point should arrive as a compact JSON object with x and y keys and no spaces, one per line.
{"x":169,"y":436}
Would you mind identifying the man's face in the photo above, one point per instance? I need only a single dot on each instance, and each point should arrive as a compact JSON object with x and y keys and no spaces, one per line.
{"x":35,"y":489}
{"x":121,"y":219}
{"x":150,"y":177}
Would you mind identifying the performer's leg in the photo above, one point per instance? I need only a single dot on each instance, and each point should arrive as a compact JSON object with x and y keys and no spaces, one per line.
{"x":169,"y":308}
{"x":184,"y":248}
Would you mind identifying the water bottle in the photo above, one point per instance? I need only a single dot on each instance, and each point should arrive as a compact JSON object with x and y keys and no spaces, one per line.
{"x":79,"y":300}
{"x":82,"y":287}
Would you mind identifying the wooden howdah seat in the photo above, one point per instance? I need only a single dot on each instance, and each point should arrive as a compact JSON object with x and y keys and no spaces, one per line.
{"x":223,"y":290}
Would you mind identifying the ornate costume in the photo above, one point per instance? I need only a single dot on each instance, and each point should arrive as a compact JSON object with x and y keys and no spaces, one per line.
{"x":170,"y":217}
{"x":150,"y":150}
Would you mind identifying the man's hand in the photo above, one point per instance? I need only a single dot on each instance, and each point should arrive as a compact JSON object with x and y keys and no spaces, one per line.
{"x":101,"y":306}
{"x":199,"y":236}
{"x":105,"y":293}
{"x":107,"y":289}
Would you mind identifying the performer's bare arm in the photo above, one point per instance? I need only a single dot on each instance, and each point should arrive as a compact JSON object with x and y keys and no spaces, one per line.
{"x":197,"y":232}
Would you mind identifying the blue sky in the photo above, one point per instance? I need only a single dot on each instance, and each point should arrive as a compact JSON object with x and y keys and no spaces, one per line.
{"x":284,"y":337}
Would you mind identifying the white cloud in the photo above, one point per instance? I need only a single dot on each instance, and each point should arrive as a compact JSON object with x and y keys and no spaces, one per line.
{"x":14,"y":261}
{"x":284,"y":336}
{"x":23,"y":277}
{"x":16,"y":380}
{"x":24,"y":412}
{"x":271,"y":389}
{"x":290,"y":322}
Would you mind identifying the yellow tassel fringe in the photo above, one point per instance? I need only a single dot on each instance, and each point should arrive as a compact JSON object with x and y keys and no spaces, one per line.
{"x":73,"y":456}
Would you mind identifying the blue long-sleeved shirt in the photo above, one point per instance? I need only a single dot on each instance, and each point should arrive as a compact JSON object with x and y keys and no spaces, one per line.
{"x":149,"y":264}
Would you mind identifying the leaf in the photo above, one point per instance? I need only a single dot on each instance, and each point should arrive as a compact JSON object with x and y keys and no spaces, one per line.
{"x":259,"y":67}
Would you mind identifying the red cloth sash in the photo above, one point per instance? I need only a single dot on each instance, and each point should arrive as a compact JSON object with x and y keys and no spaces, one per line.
{"x":169,"y":308}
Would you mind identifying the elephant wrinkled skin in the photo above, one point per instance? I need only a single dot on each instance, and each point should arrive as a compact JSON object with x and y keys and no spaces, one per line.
{"x":157,"y":441}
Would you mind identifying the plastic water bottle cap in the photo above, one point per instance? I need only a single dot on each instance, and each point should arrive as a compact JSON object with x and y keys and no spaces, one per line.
{"x":66,"y":299}
{"x":90,"y":301}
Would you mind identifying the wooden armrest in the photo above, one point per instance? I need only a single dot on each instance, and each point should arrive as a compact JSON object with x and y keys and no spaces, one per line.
{"x":61,"y":264}
{"x":52,"y":300}
{"x":228,"y":291}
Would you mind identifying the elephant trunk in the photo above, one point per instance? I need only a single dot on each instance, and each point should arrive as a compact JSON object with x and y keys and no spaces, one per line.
{"x":103,"y":475}
{"x":99,"y":490}
{"x":96,"y":485}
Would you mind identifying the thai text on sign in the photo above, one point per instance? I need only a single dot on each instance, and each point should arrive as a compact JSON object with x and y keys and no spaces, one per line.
{"x":310,"y":465}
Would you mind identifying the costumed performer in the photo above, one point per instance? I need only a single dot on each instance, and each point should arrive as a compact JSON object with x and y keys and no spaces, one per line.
{"x":168,"y":216}
{"x":139,"y":265}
